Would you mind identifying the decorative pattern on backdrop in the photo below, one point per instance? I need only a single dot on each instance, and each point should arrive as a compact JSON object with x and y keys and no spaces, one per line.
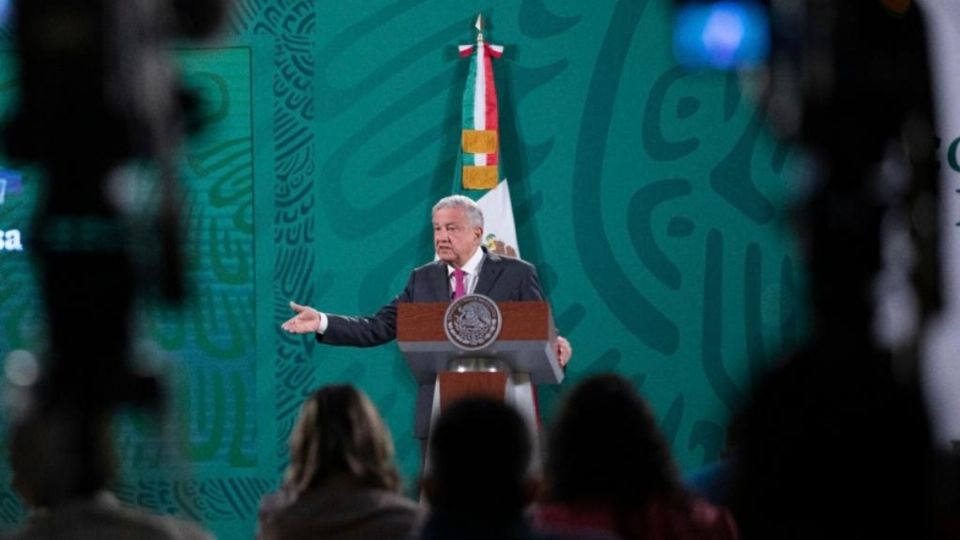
{"x":209,"y":464}
{"x":293,"y":26}
{"x":725,"y":191}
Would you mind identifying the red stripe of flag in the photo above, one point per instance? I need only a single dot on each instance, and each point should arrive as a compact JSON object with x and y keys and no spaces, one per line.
{"x":491,"y":90}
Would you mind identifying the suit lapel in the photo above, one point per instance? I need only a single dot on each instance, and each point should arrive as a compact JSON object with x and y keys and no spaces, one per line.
{"x":439,"y":283}
{"x":489,"y":273}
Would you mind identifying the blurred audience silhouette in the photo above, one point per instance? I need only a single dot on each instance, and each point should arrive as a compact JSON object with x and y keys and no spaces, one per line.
{"x":342,"y":482}
{"x":609,"y":469}
{"x":834,"y":447}
{"x":478,"y":480}
{"x":63,"y":464}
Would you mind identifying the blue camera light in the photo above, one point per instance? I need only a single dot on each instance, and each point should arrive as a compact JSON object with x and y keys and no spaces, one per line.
{"x":721,"y":35}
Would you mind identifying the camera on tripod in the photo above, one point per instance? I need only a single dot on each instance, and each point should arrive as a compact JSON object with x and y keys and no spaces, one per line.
{"x":98,"y":88}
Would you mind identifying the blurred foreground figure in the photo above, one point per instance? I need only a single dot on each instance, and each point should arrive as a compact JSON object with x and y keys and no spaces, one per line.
{"x":100,"y":67}
{"x":833,"y":447}
{"x":836,"y":442}
{"x":609,"y":469}
{"x":478,"y":480}
{"x":342,"y":482}
{"x":62,"y":468}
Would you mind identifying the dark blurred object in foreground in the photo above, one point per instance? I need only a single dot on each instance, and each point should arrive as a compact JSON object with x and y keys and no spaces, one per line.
{"x":342,"y":482}
{"x":477,"y":489}
{"x":861,"y":90}
{"x":63,"y":464}
{"x":97,"y":89}
{"x":834,"y":448}
{"x":609,"y":469}
{"x":836,"y":441}
{"x":849,"y":82}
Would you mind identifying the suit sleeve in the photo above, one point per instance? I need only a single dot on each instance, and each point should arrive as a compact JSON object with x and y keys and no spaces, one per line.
{"x":530,"y":290}
{"x":368,"y":331}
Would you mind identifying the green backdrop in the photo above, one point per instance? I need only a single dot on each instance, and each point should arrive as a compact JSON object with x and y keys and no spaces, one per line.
{"x":651,"y":200}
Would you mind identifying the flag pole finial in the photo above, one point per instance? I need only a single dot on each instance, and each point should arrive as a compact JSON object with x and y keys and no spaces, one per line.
{"x":479,"y":26}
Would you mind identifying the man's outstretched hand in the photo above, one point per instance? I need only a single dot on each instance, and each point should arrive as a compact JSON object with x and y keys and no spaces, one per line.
{"x":306,"y":320}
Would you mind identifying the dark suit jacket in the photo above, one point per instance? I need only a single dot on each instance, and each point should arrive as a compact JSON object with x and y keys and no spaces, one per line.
{"x":503,"y":279}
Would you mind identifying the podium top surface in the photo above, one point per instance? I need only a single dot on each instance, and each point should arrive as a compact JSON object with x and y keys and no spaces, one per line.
{"x":527,"y":341}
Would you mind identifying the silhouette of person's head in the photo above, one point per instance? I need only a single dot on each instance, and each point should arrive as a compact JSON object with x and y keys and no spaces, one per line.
{"x":833,"y":446}
{"x":58,"y":457}
{"x":340,"y":439}
{"x":605,"y":445}
{"x":480,"y":453}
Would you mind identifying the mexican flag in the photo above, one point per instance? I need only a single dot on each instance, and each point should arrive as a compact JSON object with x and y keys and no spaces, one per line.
{"x":479,"y":176}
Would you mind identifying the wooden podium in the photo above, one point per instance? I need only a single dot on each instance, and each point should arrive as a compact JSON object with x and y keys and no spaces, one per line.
{"x":524,"y":354}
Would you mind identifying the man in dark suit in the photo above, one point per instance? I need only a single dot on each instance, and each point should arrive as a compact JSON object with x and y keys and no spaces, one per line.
{"x":463,"y":267}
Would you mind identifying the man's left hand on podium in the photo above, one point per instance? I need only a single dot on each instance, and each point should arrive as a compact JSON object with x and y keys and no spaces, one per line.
{"x":564,"y":351}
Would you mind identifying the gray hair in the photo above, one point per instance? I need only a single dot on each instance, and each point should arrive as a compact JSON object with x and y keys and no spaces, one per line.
{"x":469,"y":207}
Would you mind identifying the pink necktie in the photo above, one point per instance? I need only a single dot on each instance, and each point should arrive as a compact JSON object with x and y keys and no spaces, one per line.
{"x":459,"y":287}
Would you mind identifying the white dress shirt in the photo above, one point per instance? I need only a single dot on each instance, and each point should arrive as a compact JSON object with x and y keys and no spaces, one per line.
{"x":471,"y":272}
